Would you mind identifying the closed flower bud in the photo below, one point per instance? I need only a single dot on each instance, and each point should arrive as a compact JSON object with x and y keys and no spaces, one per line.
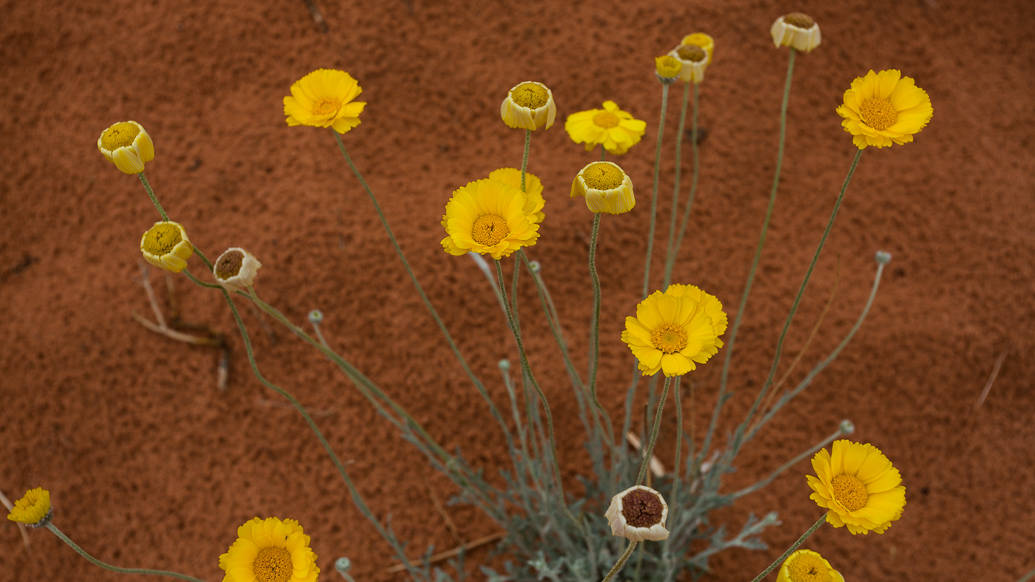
{"x":236,"y":269}
{"x":638,"y":514}
{"x":606,"y":188}
{"x":33,"y":509}
{"x":796,"y":30}
{"x":667,"y":68}
{"x":127,"y":145}
{"x":529,"y":105}
{"x":165,"y":245}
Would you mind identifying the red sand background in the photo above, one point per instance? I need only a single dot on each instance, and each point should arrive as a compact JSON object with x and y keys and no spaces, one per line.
{"x":149,"y":465}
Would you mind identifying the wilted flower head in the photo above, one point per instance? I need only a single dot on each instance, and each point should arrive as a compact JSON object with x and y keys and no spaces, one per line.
{"x":638,"y":514}
{"x":796,"y":30}
{"x":127,"y":145}
{"x":33,"y":509}
{"x":606,"y":188}
{"x":236,"y":269}
{"x":165,"y":245}
{"x":702,"y":40}
{"x":529,"y":105}
{"x":324,"y":98}
{"x":694,"y":61}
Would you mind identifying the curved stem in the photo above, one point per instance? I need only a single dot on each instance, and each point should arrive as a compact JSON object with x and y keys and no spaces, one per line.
{"x":61,"y":536}
{"x":793,"y":547}
{"x":621,"y":561}
{"x":690,"y":199}
{"x":151,"y":195}
{"x":649,"y":451}
{"x":594,"y":331}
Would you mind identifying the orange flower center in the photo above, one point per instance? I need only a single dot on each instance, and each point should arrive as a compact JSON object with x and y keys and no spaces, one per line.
{"x":530,"y":95}
{"x":602,"y":176}
{"x":326,"y":106}
{"x":668,"y":338}
{"x":850,"y":492}
{"x":878,"y":113}
{"x":119,"y":135}
{"x":162,"y":238}
{"x":808,"y":568}
{"x":606,"y":119}
{"x":272,"y":565}
{"x":489,"y":229}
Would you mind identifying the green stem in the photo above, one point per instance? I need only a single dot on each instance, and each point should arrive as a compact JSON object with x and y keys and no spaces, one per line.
{"x":655,"y":429}
{"x":654,"y":190}
{"x":524,"y":157}
{"x":795,"y":545}
{"x":670,"y":263}
{"x":61,"y":536}
{"x":680,"y":134}
{"x":754,"y":262}
{"x":674,"y":500}
{"x":151,"y":194}
{"x":594,"y":330}
{"x":621,"y":561}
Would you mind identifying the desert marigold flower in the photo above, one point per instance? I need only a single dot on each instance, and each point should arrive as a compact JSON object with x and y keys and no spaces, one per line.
{"x":488,"y":217}
{"x":884,"y":108}
{"x":702,"y":40}
{"x":610,"y":127}
{"x":807,"y":566}
{"x":796,"y":30}
{"x":33,"y":509}
{"x":236,"y":269}
{"x":675,"y":330}
{"x":858,"y":485}
{"x":606,"y":188}
{"x":324,"y":98}
{"x":534,"y":200}
{"x":694,"y":60}
{"x":127,"y":145}
{"x":165,"y":245}
{"x":270,"y":550}
{"x":638,"y":514}
{"x":667,"y":68}
{"x":529,"y":105}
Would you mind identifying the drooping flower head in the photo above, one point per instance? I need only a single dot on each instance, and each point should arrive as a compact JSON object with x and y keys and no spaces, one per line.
{"x":533,"y":190}
{"x":638,"y":514}
{"x":529,"y":105}
{"x":606,"y":188}
{"x":165,"y":245}
{"x":667,"y":69}
{"x":236,"y":269}
{"x":270,"y":550}
{"x":489,"y":217}
{"x":807,"y":566}
{"x":33,"y":509}
{"x":324,"y":98}
{"x":610,"y":127}
{"x":675,"y":330}
{"x":796,"y":30}
{"x":884,"y":108}
{"x":127,"y":145}
{"x":858,"y":485}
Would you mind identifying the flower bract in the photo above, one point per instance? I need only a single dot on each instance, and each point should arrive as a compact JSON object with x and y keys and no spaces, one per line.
{"x":529,"y":105}
{"x":796,"y":30}
{"x":884,"y":108}
{"x":236,"y":269}
{"x":638,"y":514}
{"x":858,"y":485}
{"x":807,"y":566}
{"x":675,"y":330}
{"x":127,"y":145}
{"x":606,"y":188}
{"x":534,"y":200}
{"x":324,"y":98}
{"x":33,"y":509}
{"x":610,"y":127}
{"x":489,"y":217}
{"x":165,"y":245}
{"x":270,"y":550}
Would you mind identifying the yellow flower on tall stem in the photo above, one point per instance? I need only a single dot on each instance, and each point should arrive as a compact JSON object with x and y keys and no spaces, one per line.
{"x":884,"y":108}
{"x":675,"y":330}
{"x":324,"y":98}
{"x":858,"y":485}
{"x":270,"y":550}
{"x":127,"y":145}
{"x":610,"y":127}
{"x":807,"y":566}
{"x":530,"y":106}
{"x":33,"y":509}
{"x":489,"y":218}
{"x":606,"y":188}
{"x":165,"y":245}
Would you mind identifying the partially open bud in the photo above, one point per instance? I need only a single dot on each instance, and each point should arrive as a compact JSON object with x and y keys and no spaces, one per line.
{"x":165,"y":245}
{"x":529,"y":105}
{"x":127,"y":145}
{"x":694,"y":60}
{"x":236,"y":269}
{"x":796,"y":30}
{"x":667,"y":69}
{"x":606,"y":188}
{"x":638,"y":514}
{"x":33,"y":509}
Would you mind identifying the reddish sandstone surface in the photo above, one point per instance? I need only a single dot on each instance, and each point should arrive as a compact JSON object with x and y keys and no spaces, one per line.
{"x":150,"y":465}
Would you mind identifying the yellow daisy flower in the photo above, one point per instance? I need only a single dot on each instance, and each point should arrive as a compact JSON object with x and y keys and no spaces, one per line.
{"x":236,"y":269}
{"x":324,"y":98}
{"x":667,"y":68}
{"x":884,"y":108}
{"x":606,"y":188}
{"x":165,"y":245}
{"x":702,"y":40}
{"x":858,"y":485}
{"x":270,"y":550}
{"x":33,"y":509}
{"x":490,"y":218}
{"x":529,"y":105}
{"x":675,"y":330}
{"x":533,"y":190}
{"x":807,"y":566}
{"x":796,"y":30}
{"x":127,"y":145}
{"x":611,"y":127}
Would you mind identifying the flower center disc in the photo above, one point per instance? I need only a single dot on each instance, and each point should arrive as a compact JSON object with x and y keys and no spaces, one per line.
{"x":229,"y":264}
{"x":489,"y":229}
{"x":326,"y":106}
{"x":530,"y":95}
{"x":878,"y":113}
{"x":641,"y":508}
{"x":606,"y":119}
{"x":272,"y":565}
{"x":691,"y":52}
{"x":603,"y":176}
{"x":806,"y":568}
{"x":668,"y":338}
{"x":119,"y":135}
{"x":161,"y":239}
{"x":800,"y":20}
{"x":850,"y":492}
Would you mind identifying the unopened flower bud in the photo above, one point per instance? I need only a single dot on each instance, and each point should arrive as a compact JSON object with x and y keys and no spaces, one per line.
{"x":127,"y":145}
{"x":529,"y":105}
{"x":165,"y":245}
{"x":606,"y":188}
{"x":883,"y":257}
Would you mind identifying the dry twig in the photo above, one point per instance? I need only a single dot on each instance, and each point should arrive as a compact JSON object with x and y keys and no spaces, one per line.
{"x":991,"y":379}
